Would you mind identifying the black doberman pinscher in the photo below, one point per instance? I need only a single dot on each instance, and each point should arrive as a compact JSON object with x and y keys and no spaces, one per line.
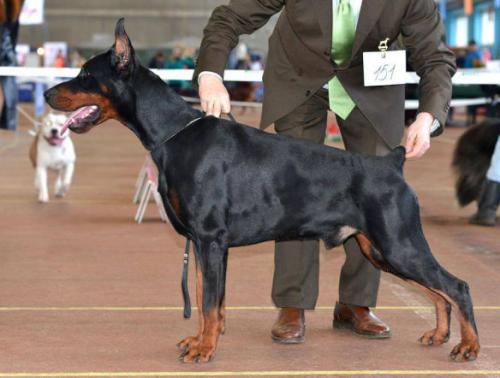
{"x":226,"y":185}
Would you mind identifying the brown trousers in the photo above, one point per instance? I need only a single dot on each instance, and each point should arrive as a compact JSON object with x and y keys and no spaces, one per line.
{"x":296,"y":263}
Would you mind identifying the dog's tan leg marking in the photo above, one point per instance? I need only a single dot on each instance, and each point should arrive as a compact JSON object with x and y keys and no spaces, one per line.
{"x":204,"y":350}
{"x":202,"y":347}
{"x":441,"y":333}
{"x":468,"y":348}
{"x":194,"y":340}
{"x":173,"y":197}
{"x":366,"y":247}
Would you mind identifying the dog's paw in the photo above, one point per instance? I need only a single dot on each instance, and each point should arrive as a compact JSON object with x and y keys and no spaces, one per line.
{"x":43,"y":198}
{"x":193,"y":350}
{"x":61,"y":192}
{"x":434,"y":337}
{"x":465,"y":351}
{"x":183,"y":345}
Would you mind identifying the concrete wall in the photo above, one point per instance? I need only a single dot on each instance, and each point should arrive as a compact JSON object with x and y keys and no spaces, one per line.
{"x":150,"y":23}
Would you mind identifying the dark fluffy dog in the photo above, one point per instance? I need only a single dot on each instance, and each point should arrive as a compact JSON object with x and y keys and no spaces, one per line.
{"x":472,"y":158}
{"x":226,"y":185}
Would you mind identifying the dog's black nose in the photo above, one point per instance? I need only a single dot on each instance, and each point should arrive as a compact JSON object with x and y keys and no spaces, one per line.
{"x":54,"y":132}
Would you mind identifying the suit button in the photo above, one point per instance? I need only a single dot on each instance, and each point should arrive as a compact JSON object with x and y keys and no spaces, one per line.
{"x":308,"y":93}
{"x":326,"y":53}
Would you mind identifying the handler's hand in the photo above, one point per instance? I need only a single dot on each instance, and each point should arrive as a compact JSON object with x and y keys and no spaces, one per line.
{"x":418,"y":140}
{"x":213,"y":95}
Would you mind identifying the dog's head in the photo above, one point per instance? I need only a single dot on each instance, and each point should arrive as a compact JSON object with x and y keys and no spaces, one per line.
{"x":102,"y":90}
{"x":52,"y":129}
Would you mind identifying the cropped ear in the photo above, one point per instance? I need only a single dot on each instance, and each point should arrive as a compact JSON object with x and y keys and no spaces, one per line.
{"x":122,"y":50}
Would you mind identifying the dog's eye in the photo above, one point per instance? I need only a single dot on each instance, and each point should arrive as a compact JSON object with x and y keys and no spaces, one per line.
{"x":85,"y":77}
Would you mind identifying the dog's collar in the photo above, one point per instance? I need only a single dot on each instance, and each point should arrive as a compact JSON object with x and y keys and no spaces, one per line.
{"x":173,"y":135}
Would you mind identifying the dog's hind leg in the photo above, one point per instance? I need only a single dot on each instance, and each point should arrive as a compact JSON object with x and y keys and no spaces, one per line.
{"x":211,"y":258}
{"x":410,"y":259}
{"x":436,"y":336}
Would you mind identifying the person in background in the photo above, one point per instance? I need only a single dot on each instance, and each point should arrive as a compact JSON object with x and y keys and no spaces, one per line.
{"x":157,"y":61}
{"x":177,"y":62}
{"x":473,"y":59}
{"x":9,"y":28}
{"x":76,"y":60}
{"x":490,"y":196}
{"x":189,"y":63}
{"x":59,"y":61}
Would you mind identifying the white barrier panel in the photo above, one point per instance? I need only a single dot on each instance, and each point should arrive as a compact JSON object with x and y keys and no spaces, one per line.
{"x":462,"y":77}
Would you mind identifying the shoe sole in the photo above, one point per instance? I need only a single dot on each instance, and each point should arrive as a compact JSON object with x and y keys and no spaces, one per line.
{"x":288,"y":340}
{"x":349,"y":327}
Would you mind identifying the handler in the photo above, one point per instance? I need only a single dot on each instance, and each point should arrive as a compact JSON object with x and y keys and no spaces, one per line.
{"x":315,"y":63}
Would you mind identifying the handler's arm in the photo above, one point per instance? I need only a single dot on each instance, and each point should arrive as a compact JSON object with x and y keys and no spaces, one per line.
{"x":221,"y":35}
{"x":423,"y":32}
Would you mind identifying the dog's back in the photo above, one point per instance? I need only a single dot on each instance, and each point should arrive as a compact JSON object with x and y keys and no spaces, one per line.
{"x":472,"y":158}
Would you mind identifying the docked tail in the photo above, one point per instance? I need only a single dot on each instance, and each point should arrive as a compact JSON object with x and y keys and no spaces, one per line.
{"x":397,"y":157}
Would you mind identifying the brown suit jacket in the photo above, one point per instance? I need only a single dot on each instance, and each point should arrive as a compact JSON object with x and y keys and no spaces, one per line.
{"x":299,"y":61}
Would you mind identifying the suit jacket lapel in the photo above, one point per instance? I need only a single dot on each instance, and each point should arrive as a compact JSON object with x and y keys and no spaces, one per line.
{"x":370,"y":13}
{"x":324,"y":13}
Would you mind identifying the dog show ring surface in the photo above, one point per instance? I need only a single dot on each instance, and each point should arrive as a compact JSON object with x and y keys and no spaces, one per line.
{"x":86,"y":292}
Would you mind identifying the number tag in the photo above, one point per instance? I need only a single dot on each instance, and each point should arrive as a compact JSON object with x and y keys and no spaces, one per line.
{"x":384,"y":68}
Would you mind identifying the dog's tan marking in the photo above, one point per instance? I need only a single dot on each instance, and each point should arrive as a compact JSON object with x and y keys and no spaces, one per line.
{"x":174,"y":200}
{"x":193,"y":341}
{"x":205,"y":349}
{"x":366,"y":247}
{"x":468,"y":348}
{"x":69,"y":101}
{"x":103,"y":88}
{"x":441,"y":333}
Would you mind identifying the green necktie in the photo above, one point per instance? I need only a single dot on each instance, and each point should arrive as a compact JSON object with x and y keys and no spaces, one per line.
{"x":344,"y":30}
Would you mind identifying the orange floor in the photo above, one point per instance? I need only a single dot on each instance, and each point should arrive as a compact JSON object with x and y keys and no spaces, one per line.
{"x":86,"y":292}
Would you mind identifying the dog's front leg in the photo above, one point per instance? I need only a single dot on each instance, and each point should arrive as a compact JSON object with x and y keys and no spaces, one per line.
{"x":41,"y":184}
{"x":64,"y":180}
{"x":211,"y":260}
{"x":190,"y":341}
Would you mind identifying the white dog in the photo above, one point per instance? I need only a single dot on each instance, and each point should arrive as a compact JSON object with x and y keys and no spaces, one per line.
{"x":51,"y":150}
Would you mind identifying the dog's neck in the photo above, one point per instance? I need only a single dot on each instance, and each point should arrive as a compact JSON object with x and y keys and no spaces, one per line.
{"x":159,"y":112}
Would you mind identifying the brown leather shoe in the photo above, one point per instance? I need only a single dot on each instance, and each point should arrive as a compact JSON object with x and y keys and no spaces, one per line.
{"x":360,"y":320}
{"x":290,"y":326}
